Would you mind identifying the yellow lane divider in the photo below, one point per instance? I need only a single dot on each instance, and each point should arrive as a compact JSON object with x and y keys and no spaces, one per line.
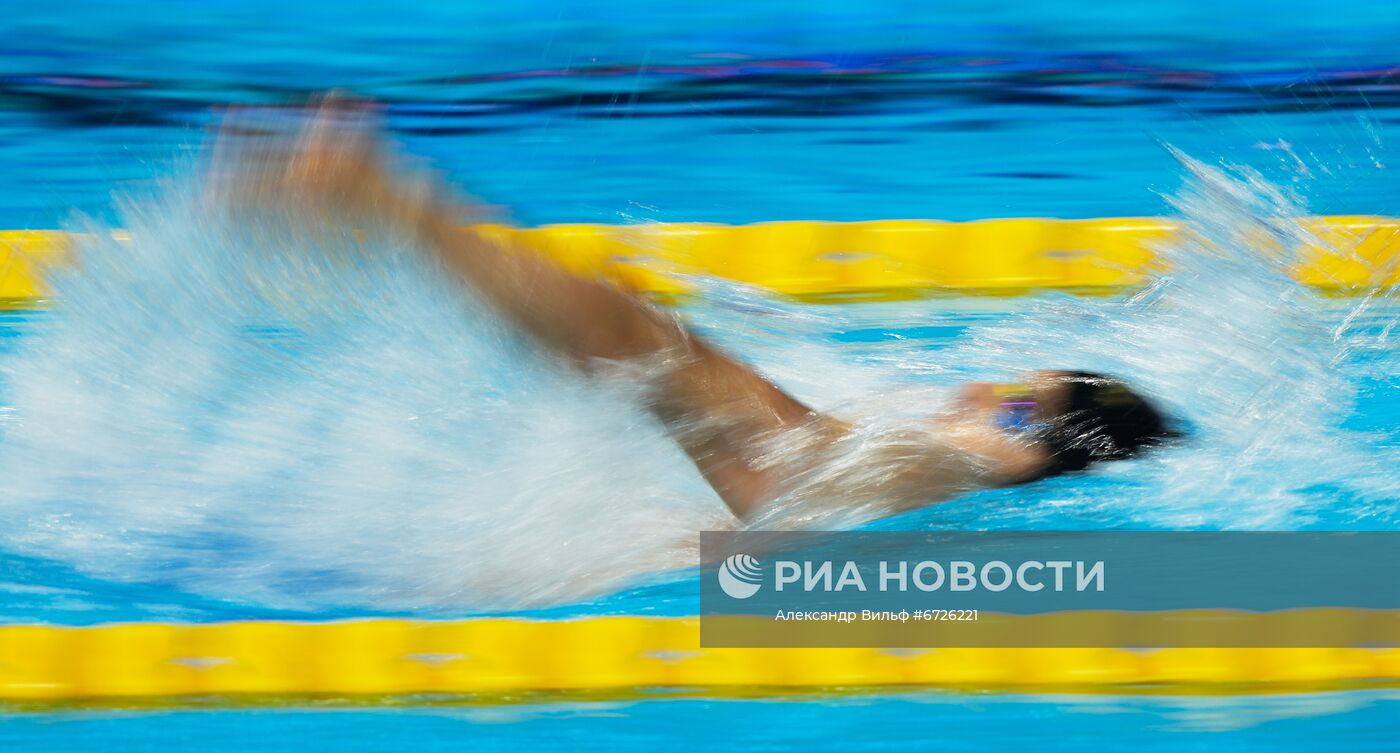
{"x":863,"y":260}
{"x":382,"y":657}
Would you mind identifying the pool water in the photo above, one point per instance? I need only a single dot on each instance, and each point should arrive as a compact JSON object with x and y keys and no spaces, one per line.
{"x":738,"y":112}
{"x":185,"y":441}
{"x":990,"y":722}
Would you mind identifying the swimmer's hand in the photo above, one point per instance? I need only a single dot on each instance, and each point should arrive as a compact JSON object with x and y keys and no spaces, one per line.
{"x":333,"y":170}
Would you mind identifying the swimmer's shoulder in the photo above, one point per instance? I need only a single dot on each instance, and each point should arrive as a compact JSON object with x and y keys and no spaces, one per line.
{"x":885,"y":471}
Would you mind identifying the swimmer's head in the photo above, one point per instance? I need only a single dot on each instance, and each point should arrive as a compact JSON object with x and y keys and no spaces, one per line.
{"x":1093,"y":418}
{"x":1078,"y":418}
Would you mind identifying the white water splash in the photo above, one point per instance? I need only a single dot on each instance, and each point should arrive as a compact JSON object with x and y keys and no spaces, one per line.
{"x":258,"y":414}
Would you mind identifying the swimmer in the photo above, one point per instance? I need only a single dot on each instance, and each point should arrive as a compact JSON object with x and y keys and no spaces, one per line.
{"x":754,"y":443}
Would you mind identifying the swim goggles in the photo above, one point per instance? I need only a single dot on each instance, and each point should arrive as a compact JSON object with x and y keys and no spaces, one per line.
{"x":1016,"y":412}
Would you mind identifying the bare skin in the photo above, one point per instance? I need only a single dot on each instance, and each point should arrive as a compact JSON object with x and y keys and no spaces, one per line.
{"x":721,"y":412}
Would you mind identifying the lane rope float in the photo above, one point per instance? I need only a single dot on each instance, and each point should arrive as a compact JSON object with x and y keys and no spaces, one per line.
{"x":387,"y":657}
{"x":881,"y":259}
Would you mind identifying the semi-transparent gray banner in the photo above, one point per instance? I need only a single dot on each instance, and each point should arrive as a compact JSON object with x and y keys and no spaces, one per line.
{"x":1050,"y":589}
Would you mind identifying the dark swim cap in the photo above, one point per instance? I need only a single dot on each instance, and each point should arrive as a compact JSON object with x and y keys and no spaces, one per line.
{"x":1104,"y":420}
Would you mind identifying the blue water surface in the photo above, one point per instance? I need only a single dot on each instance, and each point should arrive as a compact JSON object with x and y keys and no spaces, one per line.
{"x":732,"y":112}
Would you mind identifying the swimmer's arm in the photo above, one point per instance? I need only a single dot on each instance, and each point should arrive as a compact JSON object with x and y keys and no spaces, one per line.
{"x":581,"y":318}
{"x":718,"y":409}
